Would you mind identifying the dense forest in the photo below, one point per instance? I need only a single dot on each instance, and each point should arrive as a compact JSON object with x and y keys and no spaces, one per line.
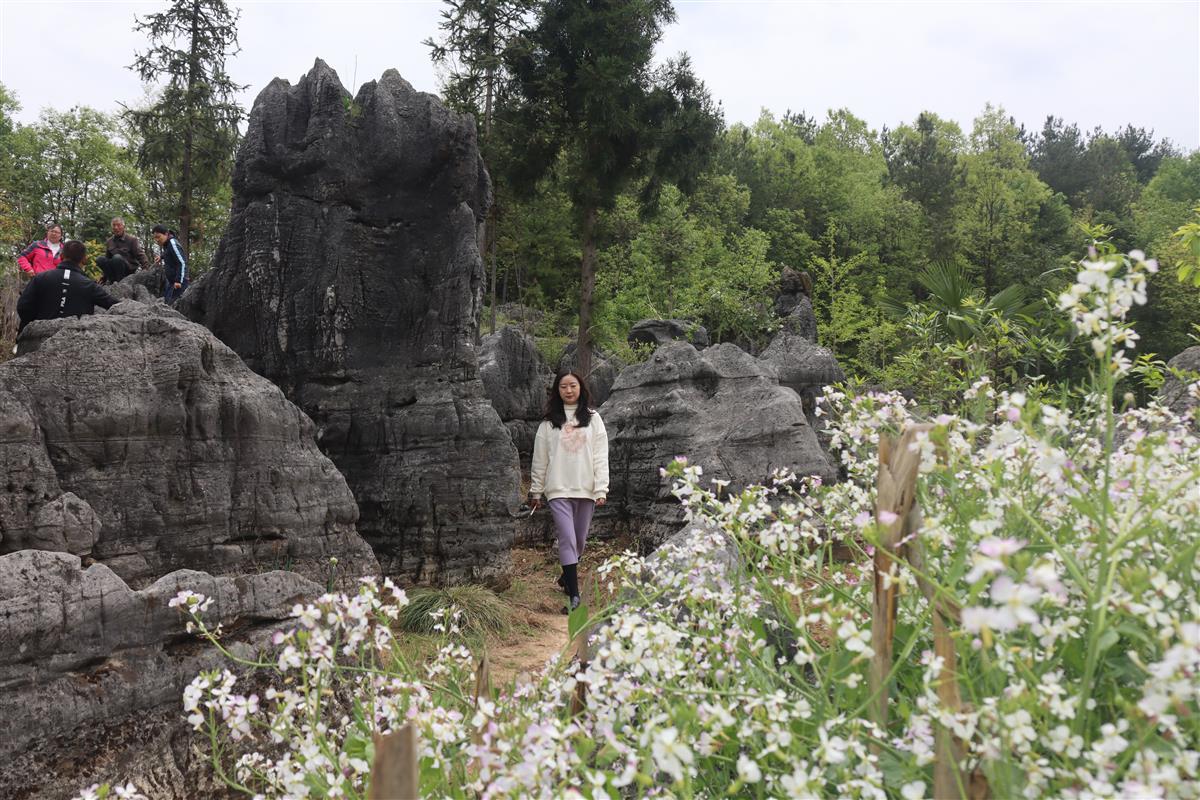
{"x":935,"y":248}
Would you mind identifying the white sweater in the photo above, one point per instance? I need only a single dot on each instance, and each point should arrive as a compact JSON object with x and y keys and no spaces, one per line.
{"x":570,"y":461}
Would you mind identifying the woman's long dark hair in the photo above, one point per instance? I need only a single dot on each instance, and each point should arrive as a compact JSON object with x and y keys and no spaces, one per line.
{"x":554,"y":403}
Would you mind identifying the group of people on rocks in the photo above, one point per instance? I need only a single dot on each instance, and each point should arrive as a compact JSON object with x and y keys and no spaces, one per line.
{"x":58,"y":286}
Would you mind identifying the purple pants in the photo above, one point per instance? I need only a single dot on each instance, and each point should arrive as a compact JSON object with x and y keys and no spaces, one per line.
{"x":572,"y":515}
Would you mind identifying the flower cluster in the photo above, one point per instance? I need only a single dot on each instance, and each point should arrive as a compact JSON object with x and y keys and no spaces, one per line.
{"x":1060,"y":543}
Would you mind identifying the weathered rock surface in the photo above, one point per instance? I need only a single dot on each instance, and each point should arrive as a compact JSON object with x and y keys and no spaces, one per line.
{"x":655,"y":332}
{"x":801,"y":320}
{"x":802,"y":366}
{"x":92,"y":671}
{"x":603,"y":375}
{"x":721,"y":408}
{"x":1174,"y":392}
{"x":794,"y":286}
{"x":515,"y":378}
{"x":137,"y":439}
{"x":350,"y":276}
{"x":145,"y":286}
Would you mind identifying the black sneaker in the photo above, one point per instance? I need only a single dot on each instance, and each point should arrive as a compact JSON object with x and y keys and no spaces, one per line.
{"x":571,"y":605}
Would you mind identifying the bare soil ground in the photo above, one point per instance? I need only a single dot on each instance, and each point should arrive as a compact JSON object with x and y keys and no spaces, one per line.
{"x":539,"y":629}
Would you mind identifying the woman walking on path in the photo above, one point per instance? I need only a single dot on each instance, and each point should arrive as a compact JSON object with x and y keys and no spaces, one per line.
{"x":44,"y":254}
{"x":570,"y":466}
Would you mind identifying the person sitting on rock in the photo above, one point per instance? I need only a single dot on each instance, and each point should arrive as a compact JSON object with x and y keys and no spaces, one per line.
{"x":43,"y":254}
{"x":174,"y":264}
{"x":63,"y":291}
{"x":123,"y":255}
{"x":570,"y":465}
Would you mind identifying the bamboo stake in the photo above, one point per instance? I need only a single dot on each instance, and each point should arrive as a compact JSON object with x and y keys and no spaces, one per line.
{"x":896,"y":491}
{"x":396,"y":772}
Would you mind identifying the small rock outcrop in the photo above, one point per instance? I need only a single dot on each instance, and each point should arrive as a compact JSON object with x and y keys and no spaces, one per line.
{"x":137,"y":439}
{"x":515,"y":379}
{"x":655,"y":332}
{"x":794,"y":286}
{"x":721,"y":408}
{"x":93,"y":671}
{"x":1174,"y":393}
{"x":802,"y":366}
{"x":350,"y":276}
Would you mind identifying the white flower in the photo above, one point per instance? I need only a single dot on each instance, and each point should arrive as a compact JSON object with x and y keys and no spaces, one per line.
{"x":670,"y":754}
{"x":748,"y":771}
{"x":913,"y":791}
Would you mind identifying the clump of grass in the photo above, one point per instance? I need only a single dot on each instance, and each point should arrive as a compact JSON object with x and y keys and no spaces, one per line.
{"x":483,"y":612}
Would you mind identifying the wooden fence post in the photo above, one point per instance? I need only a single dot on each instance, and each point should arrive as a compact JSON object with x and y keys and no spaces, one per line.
{"x":896,"y":491}
{"x":896,"y":486}
{"x":396,"y":773}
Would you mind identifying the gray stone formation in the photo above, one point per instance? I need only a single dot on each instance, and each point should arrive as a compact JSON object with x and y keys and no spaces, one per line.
{"x":137,"y":439}
{"x":794,"y":286}
{"x":350,"y":276}
{"x":1174,"y":392}
{"x":722,"y":408}
{"x":655,"y":332}
{"x":93,"y":672}
{"x":803,"y":366}
{"x":515,"y":378}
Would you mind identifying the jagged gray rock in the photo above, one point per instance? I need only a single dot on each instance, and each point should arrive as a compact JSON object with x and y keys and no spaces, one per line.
{"x":90,"y":667}
{"x":802,"y":366}
{"x":1174,"y":392}
{"x":350,"y":276}
{"x":138,"y":439}
{"x":515,"y":379}
{"x":801,"y":320}
{"x":721,"y":408}
{"x":655,"y":332}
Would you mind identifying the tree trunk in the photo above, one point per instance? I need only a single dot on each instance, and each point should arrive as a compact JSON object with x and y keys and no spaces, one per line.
{"x":185,"y":194}
{"x":491,"y":255}
{"x":587,"y":289}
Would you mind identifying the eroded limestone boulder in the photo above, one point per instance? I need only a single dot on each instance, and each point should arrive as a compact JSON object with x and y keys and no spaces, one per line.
{"x":803,"y":366}
{"x":515,"y":378}
{"x":350,"y":276}
{"x":92,"y":672}
{"x":721,"y":408}
{"x":139,"y":440}
{"x":1175,"y":393}
{"x":655,"y":332}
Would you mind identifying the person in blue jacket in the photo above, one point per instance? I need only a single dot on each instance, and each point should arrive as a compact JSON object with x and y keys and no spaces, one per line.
{"x":174,"y":264}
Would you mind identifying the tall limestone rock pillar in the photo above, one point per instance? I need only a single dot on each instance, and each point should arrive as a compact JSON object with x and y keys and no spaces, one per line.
{"x":350,"y":276}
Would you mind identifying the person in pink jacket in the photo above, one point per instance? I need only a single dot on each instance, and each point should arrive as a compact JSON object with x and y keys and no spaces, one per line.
{"x":42,"y":255}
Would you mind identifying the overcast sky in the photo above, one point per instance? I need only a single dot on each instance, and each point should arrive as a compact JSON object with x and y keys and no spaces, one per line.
{"x":1089,"y":62}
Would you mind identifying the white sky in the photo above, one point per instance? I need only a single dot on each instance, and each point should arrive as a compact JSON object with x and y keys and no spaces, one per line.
{"x":1090,"y":62}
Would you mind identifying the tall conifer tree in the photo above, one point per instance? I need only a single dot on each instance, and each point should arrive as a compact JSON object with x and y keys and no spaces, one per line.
{"x":590,"y":101}
{"x":190,"y":132}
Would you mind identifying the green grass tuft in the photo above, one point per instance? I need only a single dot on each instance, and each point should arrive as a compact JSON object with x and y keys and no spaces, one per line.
{"x":483,"y":612}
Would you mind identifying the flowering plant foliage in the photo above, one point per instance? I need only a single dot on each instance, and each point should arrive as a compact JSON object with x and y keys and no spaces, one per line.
{"x":1067,"y":539}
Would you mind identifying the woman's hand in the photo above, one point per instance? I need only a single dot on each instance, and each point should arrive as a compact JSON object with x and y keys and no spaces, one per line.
{"x":600,"y":501}
{"x":535,"y":502}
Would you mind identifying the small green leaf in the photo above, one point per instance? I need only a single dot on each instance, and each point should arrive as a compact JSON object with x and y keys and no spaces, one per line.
{"x":576,"y":620}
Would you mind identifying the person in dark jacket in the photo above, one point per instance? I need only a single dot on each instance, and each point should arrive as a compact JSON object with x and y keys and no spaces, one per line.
{"x":174,"y":264}
{"x":123,"y":254}
{"x":63,"y":291}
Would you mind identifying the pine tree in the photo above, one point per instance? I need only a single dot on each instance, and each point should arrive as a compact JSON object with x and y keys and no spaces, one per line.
{"x":589,"y":100}
{"x":476,"y":36}
{"x":189,"y":134}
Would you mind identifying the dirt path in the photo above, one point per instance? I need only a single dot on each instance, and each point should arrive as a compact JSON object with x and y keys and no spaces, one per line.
{"x":539,"y":626}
